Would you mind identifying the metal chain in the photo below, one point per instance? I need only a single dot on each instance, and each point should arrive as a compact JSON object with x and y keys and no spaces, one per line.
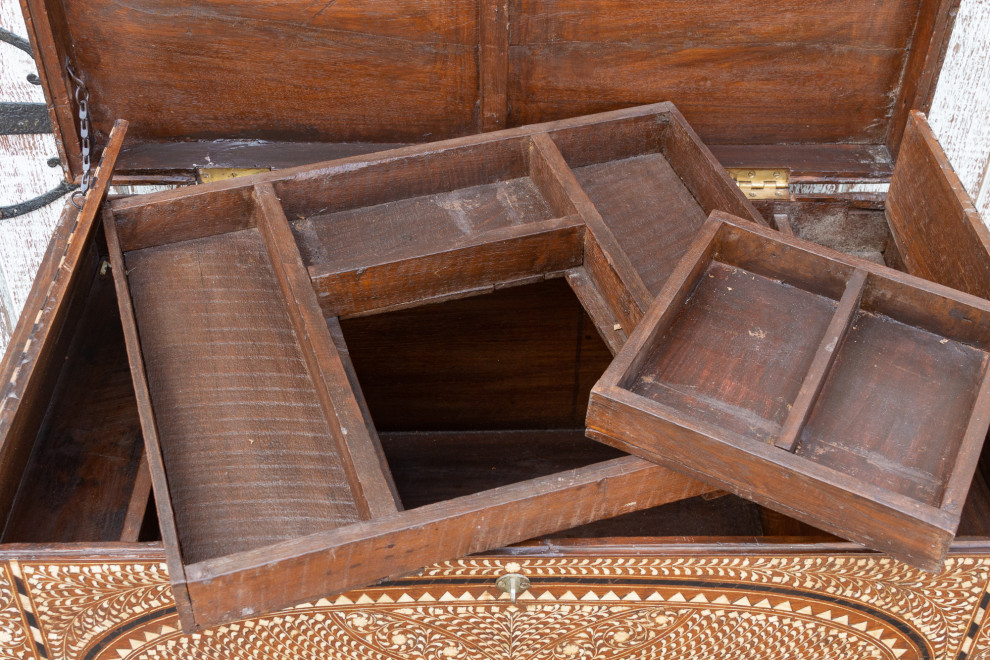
{"x":82,"y":100}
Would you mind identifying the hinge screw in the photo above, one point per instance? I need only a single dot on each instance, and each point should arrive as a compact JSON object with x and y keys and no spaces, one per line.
{"x":512,"y":584}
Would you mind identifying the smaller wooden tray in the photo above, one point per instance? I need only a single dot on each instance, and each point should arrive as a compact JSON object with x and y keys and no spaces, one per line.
{"x":836,"y":391}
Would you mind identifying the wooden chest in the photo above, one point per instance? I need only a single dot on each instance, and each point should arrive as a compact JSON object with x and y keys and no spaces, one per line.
{"x":338,"y":374}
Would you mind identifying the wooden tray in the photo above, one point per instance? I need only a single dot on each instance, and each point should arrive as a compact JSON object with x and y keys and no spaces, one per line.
{"x":839,"y":392}
{"x":269,"y":477}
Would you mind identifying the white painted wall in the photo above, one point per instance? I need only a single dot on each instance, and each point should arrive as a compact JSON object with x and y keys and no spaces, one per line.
{"x":960,"y":117}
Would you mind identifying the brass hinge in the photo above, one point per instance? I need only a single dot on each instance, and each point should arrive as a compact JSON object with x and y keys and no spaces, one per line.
{"x":208,"y":174}
{"x":762,"y":184}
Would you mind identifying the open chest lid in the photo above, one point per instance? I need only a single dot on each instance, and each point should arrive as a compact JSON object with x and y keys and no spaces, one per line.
{"x":822,"y":88}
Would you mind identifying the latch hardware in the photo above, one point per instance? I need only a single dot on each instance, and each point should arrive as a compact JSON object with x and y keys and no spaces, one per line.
{"x":762,"y":183}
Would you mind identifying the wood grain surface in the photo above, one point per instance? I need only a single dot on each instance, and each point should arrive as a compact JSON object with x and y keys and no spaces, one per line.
{"x":245,"y":442}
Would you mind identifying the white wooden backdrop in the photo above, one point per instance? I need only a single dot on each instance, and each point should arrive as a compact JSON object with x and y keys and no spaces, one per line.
{"x":960,"y":117}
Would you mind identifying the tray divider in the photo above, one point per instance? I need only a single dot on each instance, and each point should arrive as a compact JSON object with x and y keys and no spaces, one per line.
{"x":138,"y":505}
{"x":607,"y":265}
{"x":825,"y":355}
{"x":353,"y":433}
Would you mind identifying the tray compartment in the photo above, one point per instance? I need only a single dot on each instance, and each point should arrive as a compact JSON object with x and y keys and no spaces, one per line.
{"x":730,"y":357}
{"x":652,"y":187}
{"x":243,"y":436}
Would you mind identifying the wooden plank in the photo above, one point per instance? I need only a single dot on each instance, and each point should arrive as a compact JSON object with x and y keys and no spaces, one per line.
{"x":703,"y":175}
{"x":825,"y":356}
{"x":493,"y":64}
{"x":248,"y":452}
{"x":736,"y":76}
{"x":899,"y":526}
{"x":477,"y":264}
{"x":937,"y":228}
{"x":924,"y":61}
{"x":807,"y":163}
{"x":356,"y":392}
{"x":149,"y":429}
{"x":329,"y":563}
{"x":354,"y":435}
{"x":645,"y":204}
{"x":811,"y":163}
{"x":967,"y":458}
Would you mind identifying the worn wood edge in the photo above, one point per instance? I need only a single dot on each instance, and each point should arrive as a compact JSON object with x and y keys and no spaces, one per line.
{"x":138,"y":504}
{"x":606,"y":323}
{"x":596,"y":491}
{"x":176,"y":162}
{"x":974,"y":226}
{"x":355,"y":438}
{"x":812,"y":163}
{"x":47,"y":58}
{"x":657,"y":546}
{"x":149,"y":428}
{"x":636,"y":405}
{"x":825,"y":354}
{"x":931,"y":528}
{"x":968,"y":457}
{"x":919,"y":76}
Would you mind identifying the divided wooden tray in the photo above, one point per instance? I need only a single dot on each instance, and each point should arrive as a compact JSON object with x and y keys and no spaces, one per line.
{"x":270,"y":482}
{"x":842,"y":393}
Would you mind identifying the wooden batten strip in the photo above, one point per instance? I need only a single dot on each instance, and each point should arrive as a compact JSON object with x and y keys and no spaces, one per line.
{"x":611,"y":271}
{"x":702,"y":173}
{"x":149,"y":427}
{"x":824,"y":358}
{"x":138,"y":506}
{"x":493,"y":64}
{"x":354,"y":435}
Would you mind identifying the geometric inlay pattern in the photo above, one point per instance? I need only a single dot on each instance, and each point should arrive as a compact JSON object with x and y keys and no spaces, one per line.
{"x":792,"y":607}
